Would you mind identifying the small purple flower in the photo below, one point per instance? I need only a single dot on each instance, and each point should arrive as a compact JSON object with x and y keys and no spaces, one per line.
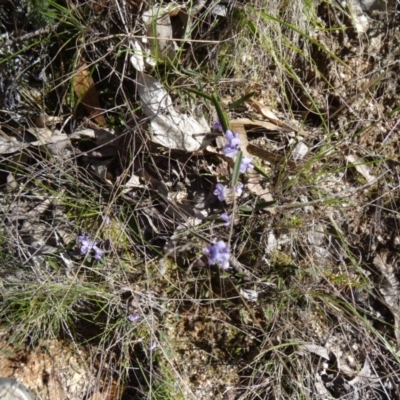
{"x":226,"y":218}
{"x":133,"y":317}
{"x":220,"y":191}
{"x":88,"y":245}
{"x":85,"y":242}
{"x":245,"y":164}
{"x":232,"y":138}
{"x":217,"y":126}
{"x":107,"y":221}
{"x":233,"y":145}
{"x":218,"y":253}
{"x":152,"y":346}
{"x":98,"y":253}
{"x":239,"y":189}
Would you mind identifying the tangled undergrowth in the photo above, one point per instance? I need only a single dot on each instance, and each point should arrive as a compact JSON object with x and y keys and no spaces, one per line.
{"x":200,"y":200}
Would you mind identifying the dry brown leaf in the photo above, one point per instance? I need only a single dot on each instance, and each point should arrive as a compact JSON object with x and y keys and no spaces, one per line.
{"x":237,"y":125}
{"x":85,"y":89}
{"x":271,"y":157}
{"x":261,"y":124}
{"x":266,"y":112}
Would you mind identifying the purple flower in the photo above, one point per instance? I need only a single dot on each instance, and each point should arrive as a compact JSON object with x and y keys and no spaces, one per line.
{"x":133,"y":317}
{"x":218,"y":253}
{"x":217,"y":126}
{"x":98,"y":253}
{"x":152,"y":346}
{"x":88,"y":245}
{"x":85,"y":242}
{"x":220,"y":191}
{"x":226,"y":218}
{"x":245,"y":164}
{"x":233,"y":145}
{"x":232,"y":138}
{"x":239,"y":189}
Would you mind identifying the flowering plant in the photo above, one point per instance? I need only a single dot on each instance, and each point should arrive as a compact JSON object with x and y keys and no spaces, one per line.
{"x":87,"y":246}
{"x":218,"y":253}
{"x":233,"y":144}
{"x":220,"y":191}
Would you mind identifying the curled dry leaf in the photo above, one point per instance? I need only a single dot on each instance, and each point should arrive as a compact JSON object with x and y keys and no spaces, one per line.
{"x":85,"y":89}
{"x":264,"y":110}
{"x":315,"y":349}
{"x":259,"y":124}
{"x":133,"y":183}
{"x":10,"y":145}
{"x":284,"y":125}
{"x":41,"y":133}
{"x":56,"y":144}
{"x":271,"y":157}
{"x":101,"y":136}
{"x":361,"y":167}
{"x":170,"y":128}
{"x":366,"y":376}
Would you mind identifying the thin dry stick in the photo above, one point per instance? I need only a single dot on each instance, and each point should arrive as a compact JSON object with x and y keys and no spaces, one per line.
{"x":30,"y":35}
